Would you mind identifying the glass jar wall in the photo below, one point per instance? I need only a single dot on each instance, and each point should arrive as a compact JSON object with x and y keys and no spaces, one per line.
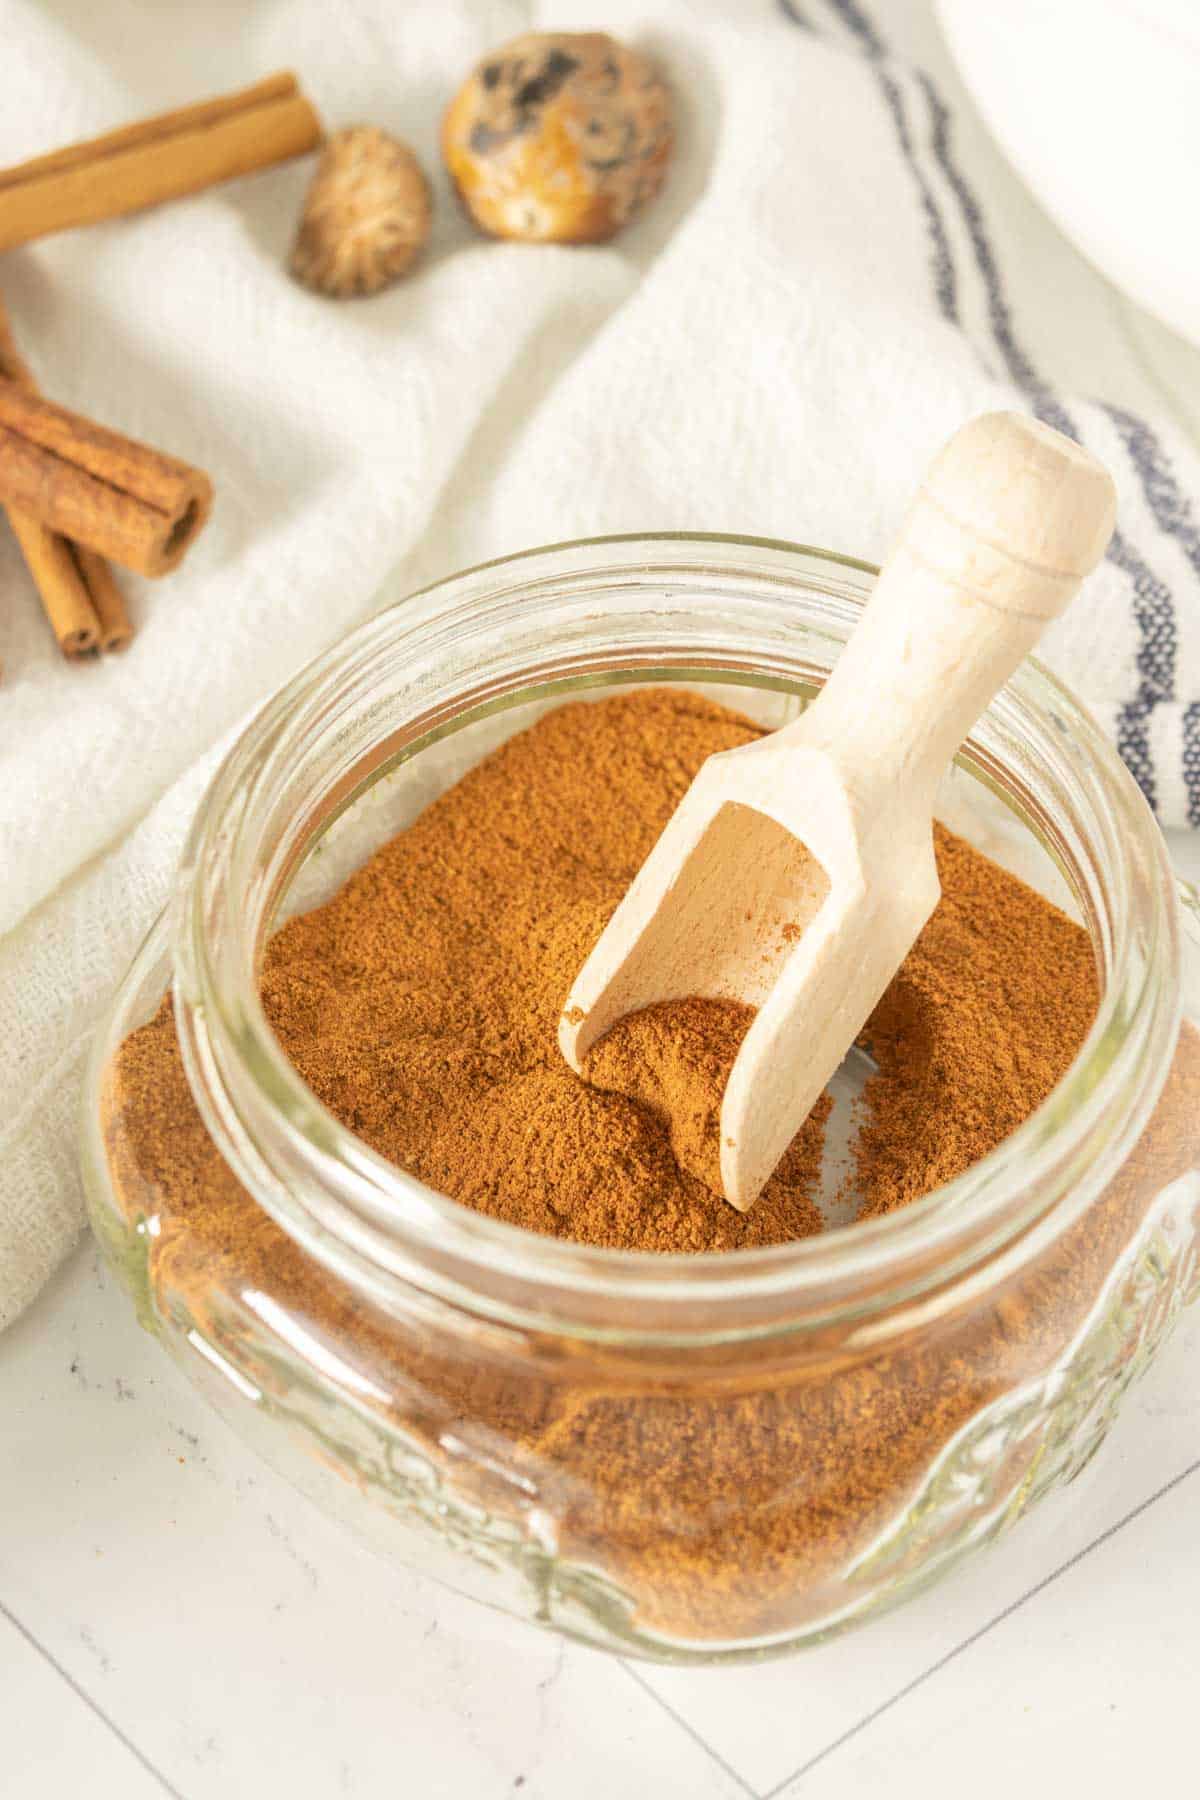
{"x":689,"y":1457}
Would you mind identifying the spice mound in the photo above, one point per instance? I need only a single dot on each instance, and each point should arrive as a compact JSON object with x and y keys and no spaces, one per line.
{"x":421,"y":1004}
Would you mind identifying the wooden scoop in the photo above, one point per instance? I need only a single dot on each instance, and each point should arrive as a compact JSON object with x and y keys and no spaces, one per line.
{"x":797,"y":872}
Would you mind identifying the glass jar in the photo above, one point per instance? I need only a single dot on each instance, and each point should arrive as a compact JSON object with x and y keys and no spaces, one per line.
{"x":683,"y":1457}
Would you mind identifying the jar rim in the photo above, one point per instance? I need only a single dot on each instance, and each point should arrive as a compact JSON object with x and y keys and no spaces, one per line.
{"x":376,"y":1225}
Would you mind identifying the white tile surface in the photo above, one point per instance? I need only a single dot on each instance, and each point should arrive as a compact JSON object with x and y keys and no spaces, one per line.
{"x":771,"y":1721}
{"x":245,"y":1645}
{"x":51,"y":1741}
{"x":1094,"y":1694}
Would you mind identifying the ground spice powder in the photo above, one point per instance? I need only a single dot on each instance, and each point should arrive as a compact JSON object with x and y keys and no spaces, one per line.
{"x":422,"y":1003}
{"x":727,"y":1493}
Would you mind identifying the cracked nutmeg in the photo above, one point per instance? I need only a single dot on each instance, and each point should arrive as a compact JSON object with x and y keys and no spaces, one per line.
{"x":366,"y":216}
{"x":559,"y":137}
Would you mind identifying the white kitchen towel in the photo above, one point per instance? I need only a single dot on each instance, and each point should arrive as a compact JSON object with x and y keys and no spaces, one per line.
{"x":841,"y":270}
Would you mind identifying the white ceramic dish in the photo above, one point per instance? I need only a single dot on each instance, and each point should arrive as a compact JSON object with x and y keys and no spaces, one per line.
{"x":1097,"y":105}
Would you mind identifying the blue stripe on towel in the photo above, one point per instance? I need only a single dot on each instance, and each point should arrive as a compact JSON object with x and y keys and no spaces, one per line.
{"x":857,"y":21}
{"x":1191,"y":760}
{"x":945,"y":276}
{"x":1157,"y":644}
{"x":1172,"y":513}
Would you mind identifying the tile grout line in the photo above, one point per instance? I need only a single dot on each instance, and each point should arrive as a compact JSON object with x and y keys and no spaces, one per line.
{"x":92,"y":1706}
{"x":727,"y":1768}
{"x":974,"y":1637}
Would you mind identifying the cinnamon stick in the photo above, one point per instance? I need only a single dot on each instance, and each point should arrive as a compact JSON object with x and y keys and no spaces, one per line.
{"x":157,"y":159}
{"x":13,"y":366}
{"x":80,"y":598}
{"x":110,"y":493}
{"x":116,"y":627}
{"x":60,"y":584}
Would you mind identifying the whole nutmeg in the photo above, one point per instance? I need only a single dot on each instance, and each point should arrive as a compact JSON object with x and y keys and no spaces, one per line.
{"x":366,"y":215}
{"x":559,"y":137}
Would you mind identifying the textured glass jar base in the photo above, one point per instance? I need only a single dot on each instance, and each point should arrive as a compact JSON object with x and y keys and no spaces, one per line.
{"x":393,"y":1494}
{"x":413,"y":1488}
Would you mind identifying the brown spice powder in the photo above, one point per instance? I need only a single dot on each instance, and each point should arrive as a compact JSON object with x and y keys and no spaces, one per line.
{"x":422,"y":1003}
{"x":724,"y":1491}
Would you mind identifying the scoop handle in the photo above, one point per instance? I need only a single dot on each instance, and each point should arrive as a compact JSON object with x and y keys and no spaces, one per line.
{"x":1008,"y":520}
